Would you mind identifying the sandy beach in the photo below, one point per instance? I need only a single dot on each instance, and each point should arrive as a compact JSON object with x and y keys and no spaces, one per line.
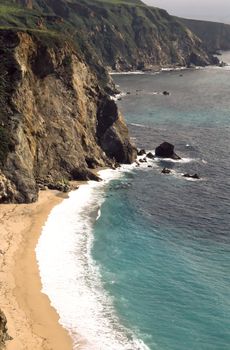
{"x":32,"y":322}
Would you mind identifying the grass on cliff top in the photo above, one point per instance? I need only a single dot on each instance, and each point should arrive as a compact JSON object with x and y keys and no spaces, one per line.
{"x":119,"y":2}
{"x":9,"y":9}
{"x":12,"y":15}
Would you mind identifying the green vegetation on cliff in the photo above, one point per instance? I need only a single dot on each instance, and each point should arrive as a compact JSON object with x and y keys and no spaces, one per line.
{"x":120,"y":34}
{"x":215,"y":36}
{"x":57,"y":120}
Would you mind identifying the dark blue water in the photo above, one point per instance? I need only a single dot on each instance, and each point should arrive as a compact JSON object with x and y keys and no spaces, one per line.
{"x":163,"y":242}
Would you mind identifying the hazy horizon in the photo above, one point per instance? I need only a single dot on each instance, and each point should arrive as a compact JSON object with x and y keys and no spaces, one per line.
{"x":205,"y":9}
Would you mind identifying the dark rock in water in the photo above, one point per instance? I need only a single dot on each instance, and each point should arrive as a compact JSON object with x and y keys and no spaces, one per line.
{"x":166,"y":150}
{"x":128,"y":93}
{"x":166,"y":93}
{"x":222,"y":64}
{"x":149,"y":166}
{"x":141,"y":152}
{"x":195,"y":176}
{"x":150,"y":155}
{"x":215,"y":61}
{"x":166,"y":171}
{"x":144,"y":160}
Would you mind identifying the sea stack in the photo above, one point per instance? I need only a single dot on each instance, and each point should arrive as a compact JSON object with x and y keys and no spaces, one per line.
{"x":166,"y":150}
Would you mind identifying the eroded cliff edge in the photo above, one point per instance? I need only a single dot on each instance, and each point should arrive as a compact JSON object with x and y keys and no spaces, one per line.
{"x":56,"y":120}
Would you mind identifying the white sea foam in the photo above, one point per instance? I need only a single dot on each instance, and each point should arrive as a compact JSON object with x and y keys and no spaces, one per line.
{"x":117,"y":96}
{"x":139,"y":125}
{"x":127,"y":73}
{"x":173,"y":69}
{"x":98,"y":214}
{"x":70,"y":276}
{"x":182,"y":160}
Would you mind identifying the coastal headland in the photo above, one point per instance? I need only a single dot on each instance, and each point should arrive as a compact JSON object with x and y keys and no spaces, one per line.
{"x":58,"y":123}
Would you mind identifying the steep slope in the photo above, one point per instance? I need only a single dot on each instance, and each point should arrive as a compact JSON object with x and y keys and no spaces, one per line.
{"x":3,"y":331}
{"x":56,"y":121}
{"x":216,"y":36}
{"x":119,"y":34}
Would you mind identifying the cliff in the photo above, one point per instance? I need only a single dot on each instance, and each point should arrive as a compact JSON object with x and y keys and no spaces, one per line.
{"x":215,"y":36}
{"x":122,"y":35}
{"x":3,"y":331}
{"x":56,"y":120}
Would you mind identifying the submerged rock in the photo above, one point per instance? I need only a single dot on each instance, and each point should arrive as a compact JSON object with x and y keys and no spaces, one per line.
{"x":143,"y":160}
{"x":166,"y":150}
{"x":194,"y":176}
{"x":150,"y":155}
{"x":141,"y":152}
{"x":166,"y":171}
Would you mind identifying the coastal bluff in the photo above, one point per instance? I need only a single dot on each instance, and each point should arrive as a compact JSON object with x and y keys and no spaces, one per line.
{"x":214,"y":35}
{"x":57,"y":119}
{"x":57,"y":122}
{"x":120,"y":35}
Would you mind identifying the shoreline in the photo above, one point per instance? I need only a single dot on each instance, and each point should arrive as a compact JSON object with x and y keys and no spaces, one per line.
{"x":31,"y":320}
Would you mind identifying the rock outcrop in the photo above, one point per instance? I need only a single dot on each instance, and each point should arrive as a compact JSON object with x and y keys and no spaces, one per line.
{"x":56,"y":119}
{"x":3,"y":331}
{"x":166,"y":150}
{"x":194,"y":176}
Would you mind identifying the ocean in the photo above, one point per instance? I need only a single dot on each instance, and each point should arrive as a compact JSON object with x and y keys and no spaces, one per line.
{"x":141,"y":260}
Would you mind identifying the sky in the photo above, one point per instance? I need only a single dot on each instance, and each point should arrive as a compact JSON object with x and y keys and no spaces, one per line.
{"x":213,"y":10}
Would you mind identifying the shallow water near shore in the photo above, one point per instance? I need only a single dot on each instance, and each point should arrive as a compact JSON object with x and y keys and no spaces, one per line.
{"x":141,"y":260}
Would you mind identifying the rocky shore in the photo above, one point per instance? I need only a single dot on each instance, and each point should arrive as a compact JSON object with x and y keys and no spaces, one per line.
{"x":58,"y":123}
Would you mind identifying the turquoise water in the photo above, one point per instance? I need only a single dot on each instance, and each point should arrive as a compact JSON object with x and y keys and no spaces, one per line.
{"x":162,"y":243}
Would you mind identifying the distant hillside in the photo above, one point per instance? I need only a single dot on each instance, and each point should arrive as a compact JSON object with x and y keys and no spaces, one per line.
{"x":121,"y":34}
{"x":216,"y":36}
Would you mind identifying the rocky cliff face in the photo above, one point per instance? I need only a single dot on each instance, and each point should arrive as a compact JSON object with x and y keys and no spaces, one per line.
{"x":215,"y":36}
{"x":56,"y":121}
{"x":122,"y":35}
{"x":3,"y":331}
{"x":130,"y":37}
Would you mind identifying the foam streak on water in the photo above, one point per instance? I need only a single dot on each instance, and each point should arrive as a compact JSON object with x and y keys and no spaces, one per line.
{"x":71,"y":278}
